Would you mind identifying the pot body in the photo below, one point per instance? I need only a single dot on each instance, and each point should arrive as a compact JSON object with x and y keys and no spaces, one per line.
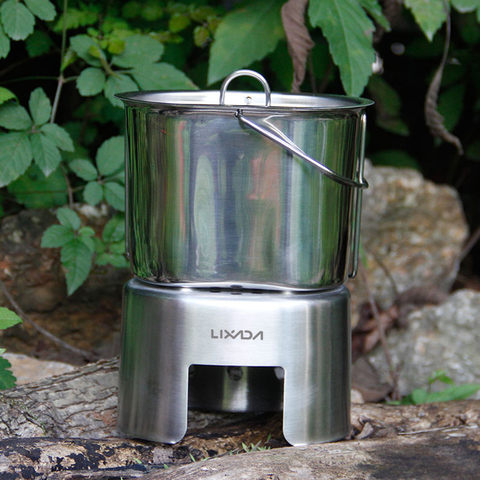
{"x":210,"y":202}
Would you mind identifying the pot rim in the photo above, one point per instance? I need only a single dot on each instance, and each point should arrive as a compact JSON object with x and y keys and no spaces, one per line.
{"x":253,"y":101}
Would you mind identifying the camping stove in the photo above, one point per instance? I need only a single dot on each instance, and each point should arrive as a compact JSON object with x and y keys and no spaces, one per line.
{"x":240,"y":242}
{"x":235,"y":350}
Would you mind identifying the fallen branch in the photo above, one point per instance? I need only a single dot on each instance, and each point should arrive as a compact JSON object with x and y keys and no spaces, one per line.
{"x":64,"y":427}
{"x":89,"y":356}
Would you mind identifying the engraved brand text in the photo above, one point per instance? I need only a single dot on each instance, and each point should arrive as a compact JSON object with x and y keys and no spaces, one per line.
{"x":233,"y":334}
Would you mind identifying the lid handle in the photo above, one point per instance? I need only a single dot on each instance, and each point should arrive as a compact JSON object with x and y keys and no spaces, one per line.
{"x":247,"y":73}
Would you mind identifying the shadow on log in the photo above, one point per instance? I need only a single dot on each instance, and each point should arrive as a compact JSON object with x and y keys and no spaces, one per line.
{"x":64,"y":428}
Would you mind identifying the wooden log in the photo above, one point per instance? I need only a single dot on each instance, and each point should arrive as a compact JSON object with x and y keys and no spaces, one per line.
{"x":64,"y":427}
{"x":440,"y":455}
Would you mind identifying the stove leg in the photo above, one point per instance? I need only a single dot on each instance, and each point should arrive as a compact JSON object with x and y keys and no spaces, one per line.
{"x":314,"y":412}
{"x":317,"y":380}
{"x":157,"y":408}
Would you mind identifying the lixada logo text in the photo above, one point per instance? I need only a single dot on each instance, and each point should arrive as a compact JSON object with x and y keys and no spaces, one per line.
{"x":241,"y":334}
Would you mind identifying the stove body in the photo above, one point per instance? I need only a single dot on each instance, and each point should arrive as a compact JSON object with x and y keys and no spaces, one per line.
{"x":302,"y":337}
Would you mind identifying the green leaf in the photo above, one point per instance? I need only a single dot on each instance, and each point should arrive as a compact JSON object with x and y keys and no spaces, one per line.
{"x":114,"y":230}
{"x":460,"y":392}
{"x":117,"y":247}
{"x":429,"y":15}
{"x":375,"y":11}
{"x":348,"y":30}
{"x":8,"y":318}
{"x":450,"y":105}
{"x":40,"y":107}
{"x":440,"y":376}
{"x":84,"y":169}
{"x":7,"y":379}
{"x":4,"y":43}
{"x":118,"y":83}
{"x":86,"y":232}
{"x":395,"y":158}
{"x":15,"y":156}
{"x":178,"y":22}
{"x":17,"y":20}
{"x":201,"y":35}
{"x":139,"y":49}
{"x":6,"y":95}
{"x":81,"y":45}
{"x":111,"y":156}
{"x":76,"y":258}
{"x":59,"y":136}
{"x":465,"y":6}
{"x":419,"y":396}
{"x":162,"y":76}
{"x":14,"y":117}
{"x":67,"y":217}
{"x":57,"y":236}
{"x":75,"y":18}
{"x":45,"y":153}
{"x":118,"y":177}
{"x":34,"y":190}
{"x":113,"y":259}
{"x":115,"y":195}
{"x":91,"y":81}
{"x":68,"y":59}
{"x":38,"y":43}
{"x":473,"y":151}
{"x":100,"y":247}
{"x":88,"y":241}
{"x":243,"y":36}
{"x":93,"y":193}
{"x":387,"y":105}
{"x":43,"y":9}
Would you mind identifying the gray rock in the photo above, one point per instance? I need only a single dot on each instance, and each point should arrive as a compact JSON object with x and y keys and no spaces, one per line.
{"x":444,"y":337}
{"x":411,"y":228}
{"x":27,"y":369}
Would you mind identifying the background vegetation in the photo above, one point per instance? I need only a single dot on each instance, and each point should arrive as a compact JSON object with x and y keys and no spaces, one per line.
{"x":61,"y":63}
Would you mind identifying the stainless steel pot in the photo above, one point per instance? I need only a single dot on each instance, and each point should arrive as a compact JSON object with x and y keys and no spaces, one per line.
{"x":247,"y":189}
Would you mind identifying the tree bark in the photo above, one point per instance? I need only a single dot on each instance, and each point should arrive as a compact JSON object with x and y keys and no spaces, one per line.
{"x":64,"y":427}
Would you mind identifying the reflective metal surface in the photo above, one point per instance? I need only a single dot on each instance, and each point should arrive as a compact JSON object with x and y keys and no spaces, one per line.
{"x":235,"y":389}
{"x":211,"y":202}
{"x":166,"y":330}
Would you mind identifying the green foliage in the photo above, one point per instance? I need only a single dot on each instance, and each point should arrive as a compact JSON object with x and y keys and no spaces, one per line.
{"x":106,"y":180}
{"x":430,"y":16}
{"x":453,"y":392}
{"x":80,"y":248}
{"x":244,"y":36}
{"x":395,"y":158}
{"x":388,"y":104}
{"x":6,"y":95}
{"x":61,"y":137}
{"x":34,"y":190}
{"x":137,"y":55}
{"x":7,"y":319}
{"x":30,"y":138}
{"x":348,"y":30}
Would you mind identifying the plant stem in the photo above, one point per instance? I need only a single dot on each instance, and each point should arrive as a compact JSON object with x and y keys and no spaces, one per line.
{"x":61,"y":78}
{"x":77,"y":351}
{"x":471,"y":242}
{"x":61,"y":81}
{"x":69,"y":186}
{"x":381,"y":331}
{"x":64,"y":33}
